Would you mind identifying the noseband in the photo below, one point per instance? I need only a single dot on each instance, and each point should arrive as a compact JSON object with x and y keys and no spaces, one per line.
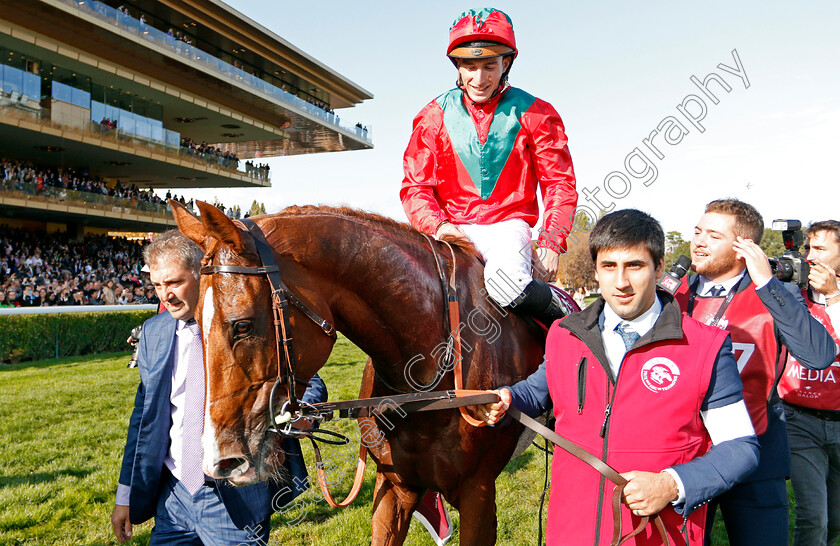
{"x":280,"y":298}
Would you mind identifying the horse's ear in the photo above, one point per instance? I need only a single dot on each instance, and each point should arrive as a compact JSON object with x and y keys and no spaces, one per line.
{"x":188,"y":224}
{"x":221,"y":227}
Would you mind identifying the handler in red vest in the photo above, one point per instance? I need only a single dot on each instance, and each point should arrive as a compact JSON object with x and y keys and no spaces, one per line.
{"x":476,"y":158}
{"x":644,"y":388}
{"x":811,"y":399}
{"x":736,"y":291}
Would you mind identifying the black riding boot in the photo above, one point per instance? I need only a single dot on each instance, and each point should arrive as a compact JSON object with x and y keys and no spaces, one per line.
{"x":539,"y":301}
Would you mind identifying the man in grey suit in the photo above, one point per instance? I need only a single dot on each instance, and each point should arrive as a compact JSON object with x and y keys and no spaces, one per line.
{"x":161,"y":474}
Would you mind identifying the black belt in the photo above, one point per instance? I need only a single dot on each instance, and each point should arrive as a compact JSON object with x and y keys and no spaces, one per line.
{"x":825,"y":415}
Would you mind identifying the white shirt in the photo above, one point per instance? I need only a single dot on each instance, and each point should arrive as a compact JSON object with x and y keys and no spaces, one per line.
{"x":178,"y":397}
{"x":613,"y":342}
{"x":704,"y":285}
{"x":833,"y":311}
{"x":177,"y":400}
{"x":726,"y":423}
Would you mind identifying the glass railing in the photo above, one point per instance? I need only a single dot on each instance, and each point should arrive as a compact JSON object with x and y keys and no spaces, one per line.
{"x":89,"y":200}
{"x":148,"y":32}
{"x":133,"y":124}
{"x":17,"y":83}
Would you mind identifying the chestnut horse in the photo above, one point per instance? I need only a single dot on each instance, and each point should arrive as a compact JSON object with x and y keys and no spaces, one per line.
{"x":376,"y":280}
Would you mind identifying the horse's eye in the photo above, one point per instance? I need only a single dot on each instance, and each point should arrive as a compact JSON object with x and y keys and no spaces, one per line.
{"x":242,"y":328}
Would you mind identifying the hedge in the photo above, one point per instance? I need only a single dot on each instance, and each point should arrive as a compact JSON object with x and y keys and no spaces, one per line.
{"x":59,"y":335}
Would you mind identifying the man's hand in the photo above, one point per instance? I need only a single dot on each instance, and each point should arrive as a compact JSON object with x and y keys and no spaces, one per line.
{"x":493,"y":413}
{"x":121,"y":524}
{"x":758,"y":265}
{"x":646,"y":493}
{"x":822,"y":278}
{"x":451,"y":233}
{"x":549,"y":262}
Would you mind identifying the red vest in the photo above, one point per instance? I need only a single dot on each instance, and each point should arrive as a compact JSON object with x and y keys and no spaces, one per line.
{"x":819,"y":389}
{"x":654,"y":423}
{"x":753,"y":340}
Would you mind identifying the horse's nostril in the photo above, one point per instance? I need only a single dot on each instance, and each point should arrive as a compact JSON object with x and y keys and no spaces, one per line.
{"x":225,"y":463}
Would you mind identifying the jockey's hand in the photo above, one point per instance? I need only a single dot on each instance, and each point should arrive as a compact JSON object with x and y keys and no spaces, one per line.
{"x":546,"y":262}
{"x":451,"y":233}
{"x":493,"y":413}
{"x":646,"y":493}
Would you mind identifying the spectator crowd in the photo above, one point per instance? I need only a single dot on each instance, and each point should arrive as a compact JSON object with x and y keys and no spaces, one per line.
{"x":40,"y":270}
{"x":16,"y":175}
{"x":209,"y":153}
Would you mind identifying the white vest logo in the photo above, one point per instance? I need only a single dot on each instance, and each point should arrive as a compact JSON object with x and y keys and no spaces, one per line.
{"x":660,"y":374}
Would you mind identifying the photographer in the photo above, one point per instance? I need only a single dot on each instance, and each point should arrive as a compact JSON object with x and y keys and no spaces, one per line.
{"x":735,"y":290}
{"x":812,"y":403}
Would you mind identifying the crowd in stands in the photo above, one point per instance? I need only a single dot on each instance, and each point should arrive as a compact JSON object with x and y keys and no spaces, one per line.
{"x":16,"y":175}
{"x":236,"y":63}
{"x":260,"y":171}
{"x":107,"y":124}
{"x":41,"y":270}
{"x":207,"y":152}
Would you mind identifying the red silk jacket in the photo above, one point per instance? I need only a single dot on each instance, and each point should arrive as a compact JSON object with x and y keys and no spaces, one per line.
{"x":473,"y":163}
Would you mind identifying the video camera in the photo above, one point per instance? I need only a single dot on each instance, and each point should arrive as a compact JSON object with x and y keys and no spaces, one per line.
{"x":790,"y":266}
{"x":135,"y":341}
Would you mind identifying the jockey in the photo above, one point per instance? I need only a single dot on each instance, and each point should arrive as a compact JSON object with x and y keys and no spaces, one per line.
{"x":476,"y":157}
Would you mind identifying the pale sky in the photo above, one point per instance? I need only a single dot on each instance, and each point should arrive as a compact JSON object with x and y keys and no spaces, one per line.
{"x":614,"y":73}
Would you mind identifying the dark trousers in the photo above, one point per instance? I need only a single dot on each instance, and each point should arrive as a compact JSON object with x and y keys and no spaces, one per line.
{"x":201,"y":519}
{"x":815,"y":477}
{"x":753,"y":512}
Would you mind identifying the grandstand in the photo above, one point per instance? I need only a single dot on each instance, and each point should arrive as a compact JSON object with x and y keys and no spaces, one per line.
{"x":102,"y":100}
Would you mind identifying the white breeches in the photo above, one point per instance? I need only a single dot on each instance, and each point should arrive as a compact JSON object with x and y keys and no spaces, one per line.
{"x":506,"y":249}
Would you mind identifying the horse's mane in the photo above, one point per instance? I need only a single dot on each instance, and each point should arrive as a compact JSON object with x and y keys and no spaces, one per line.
{"x":374,"y":220}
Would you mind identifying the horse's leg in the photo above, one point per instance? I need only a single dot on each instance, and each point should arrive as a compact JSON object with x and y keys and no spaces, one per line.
{"x":393,"y":504}
{"x":392,"y":508}
{"x":476,"y":503}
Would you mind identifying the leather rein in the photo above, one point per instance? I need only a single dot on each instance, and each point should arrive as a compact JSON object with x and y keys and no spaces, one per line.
{"x":459,"y":398}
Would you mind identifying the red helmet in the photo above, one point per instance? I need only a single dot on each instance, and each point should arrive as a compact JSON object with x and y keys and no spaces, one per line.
{"x":481,"y":34}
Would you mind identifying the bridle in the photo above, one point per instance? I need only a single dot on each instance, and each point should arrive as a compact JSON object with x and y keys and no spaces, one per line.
{"x":281,"y":296}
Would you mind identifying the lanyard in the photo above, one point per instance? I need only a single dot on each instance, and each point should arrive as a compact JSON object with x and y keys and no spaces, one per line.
{"x":693,"y":294}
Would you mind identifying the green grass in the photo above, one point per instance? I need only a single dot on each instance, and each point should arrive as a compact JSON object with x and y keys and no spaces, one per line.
{"x":62,"y":433}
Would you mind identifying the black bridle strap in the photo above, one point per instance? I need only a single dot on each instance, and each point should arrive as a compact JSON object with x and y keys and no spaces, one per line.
{"x":280,"y":298}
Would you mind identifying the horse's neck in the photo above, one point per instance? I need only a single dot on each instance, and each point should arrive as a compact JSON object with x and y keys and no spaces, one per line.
{"x":386,"y":297}
{"x":379,"y":286}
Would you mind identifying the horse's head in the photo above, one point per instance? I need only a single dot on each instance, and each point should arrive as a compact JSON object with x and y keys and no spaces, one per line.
{"x":240,"y":345}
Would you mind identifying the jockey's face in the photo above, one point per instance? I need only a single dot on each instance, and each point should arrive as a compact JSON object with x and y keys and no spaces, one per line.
{"x":176,"y":287}
{"x":480,"y":77}
{"x":627,"y":277}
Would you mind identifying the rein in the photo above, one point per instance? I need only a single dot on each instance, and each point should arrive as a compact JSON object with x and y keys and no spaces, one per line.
{"x":409,"y":402}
